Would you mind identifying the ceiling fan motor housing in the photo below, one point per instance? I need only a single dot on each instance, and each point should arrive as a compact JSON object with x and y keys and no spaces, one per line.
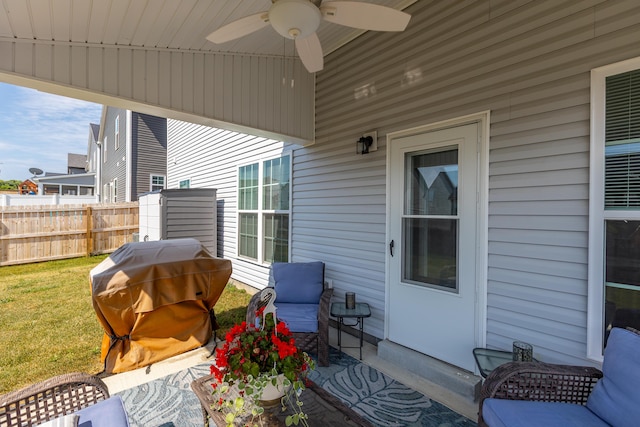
{"x":294,"y":18}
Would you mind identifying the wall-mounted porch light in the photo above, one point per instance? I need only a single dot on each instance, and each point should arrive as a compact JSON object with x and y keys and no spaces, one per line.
{"x":367,"y":143}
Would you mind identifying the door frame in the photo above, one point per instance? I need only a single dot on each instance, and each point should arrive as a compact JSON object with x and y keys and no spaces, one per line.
{"x":482,"y":218}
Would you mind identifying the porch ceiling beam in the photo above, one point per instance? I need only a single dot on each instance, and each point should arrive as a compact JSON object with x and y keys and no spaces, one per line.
{"x":264,"y":95}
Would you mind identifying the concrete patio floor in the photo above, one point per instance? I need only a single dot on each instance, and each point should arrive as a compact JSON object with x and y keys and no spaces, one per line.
{"x":459,"y":404}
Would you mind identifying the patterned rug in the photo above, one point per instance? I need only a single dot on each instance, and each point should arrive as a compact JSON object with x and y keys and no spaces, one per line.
{"x":169,"y":401}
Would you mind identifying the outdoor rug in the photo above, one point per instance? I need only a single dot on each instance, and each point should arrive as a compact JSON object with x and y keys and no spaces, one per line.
{"x":169,"y":401}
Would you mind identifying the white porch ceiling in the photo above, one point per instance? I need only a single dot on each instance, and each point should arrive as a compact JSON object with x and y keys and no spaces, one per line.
{"x":156,"y":24}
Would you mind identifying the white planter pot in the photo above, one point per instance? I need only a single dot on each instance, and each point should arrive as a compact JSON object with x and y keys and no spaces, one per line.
{"x":272,"y":394}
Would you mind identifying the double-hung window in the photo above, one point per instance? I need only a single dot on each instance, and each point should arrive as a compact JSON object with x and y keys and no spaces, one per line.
{"x":614,"y":232}
{"x":264,"y":210}
{"x":116,"y":138}
{"x":157,"y":182}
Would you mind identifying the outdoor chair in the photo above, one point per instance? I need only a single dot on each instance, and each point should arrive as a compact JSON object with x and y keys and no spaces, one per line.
{"x":82,"y":395}
{"x":541,"y":394}
{"x":302,"y":302}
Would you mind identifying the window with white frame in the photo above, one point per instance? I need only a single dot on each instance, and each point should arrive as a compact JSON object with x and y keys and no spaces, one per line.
{"x":106,"y":193}
{"x":264,"y":210}
{"x":614,"y":230}
{"x":116,"y":126}
{"x":185,"y":183}
{"x":114,"y":190}
{"x":157,"y":182}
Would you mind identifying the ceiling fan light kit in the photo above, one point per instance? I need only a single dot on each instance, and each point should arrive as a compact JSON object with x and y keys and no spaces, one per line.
{"x":294,"y":18}
{"x":299,"y":19}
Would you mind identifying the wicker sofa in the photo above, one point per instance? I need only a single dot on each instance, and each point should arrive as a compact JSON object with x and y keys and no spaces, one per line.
{"x":541,"y":394}
{"x":79,"y":394}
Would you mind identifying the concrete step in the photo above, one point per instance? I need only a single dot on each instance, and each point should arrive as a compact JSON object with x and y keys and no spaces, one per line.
{"x":458,"y":381}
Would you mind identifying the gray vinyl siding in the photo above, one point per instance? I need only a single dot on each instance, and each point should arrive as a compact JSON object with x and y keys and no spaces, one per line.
{"x":149,"y":151}
{"x":210,"y":158}
{"x":529,"y":63}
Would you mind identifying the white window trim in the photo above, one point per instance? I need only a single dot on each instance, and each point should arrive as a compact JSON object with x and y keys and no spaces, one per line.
{"x":116,"y":131}
{"x":260,"y":211}
{"x":597,"y":214}
{"x":105,"y":146}
{"x":188,"y":180}
{"x":164,"y":181}
{"x":114,"y":190}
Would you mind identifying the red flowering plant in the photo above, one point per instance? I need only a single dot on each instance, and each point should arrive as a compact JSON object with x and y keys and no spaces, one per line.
{"x":251,"y":359}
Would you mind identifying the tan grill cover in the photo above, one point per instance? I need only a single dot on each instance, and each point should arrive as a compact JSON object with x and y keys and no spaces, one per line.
{"x":153,"y":300}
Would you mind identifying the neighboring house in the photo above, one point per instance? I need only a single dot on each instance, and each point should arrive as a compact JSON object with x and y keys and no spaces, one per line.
{"x":132,"y":158}
{"x":530,"y":106}
{"x":28,"y":187}
{"x":67,"y":185}
{"x":76,"y":163}
{"x":77,"y":182}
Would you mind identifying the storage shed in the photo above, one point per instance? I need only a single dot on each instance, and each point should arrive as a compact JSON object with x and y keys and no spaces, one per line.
{"x":179,"y":213}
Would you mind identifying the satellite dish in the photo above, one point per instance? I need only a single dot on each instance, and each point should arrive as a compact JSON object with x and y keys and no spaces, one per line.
{"x":36,"y":171}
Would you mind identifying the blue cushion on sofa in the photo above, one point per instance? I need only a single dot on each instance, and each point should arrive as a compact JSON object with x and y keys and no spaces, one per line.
{"x":298,"y":282}
{"x":616,"y":398}
{"x":107,"y":413}
{"x":521,"y":413}
{"x":298,"y":317}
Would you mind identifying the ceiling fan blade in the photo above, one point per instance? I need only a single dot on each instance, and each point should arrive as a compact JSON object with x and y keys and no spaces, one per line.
{"x":310,"y":53}
{"x":365,"y":16}
{"x":239,"y":28}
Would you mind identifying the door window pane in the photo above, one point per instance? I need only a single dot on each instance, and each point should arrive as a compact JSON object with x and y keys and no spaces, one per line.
{"x":430,"y":252}
{"x":432,"y":183}
{"x":430,"y":238}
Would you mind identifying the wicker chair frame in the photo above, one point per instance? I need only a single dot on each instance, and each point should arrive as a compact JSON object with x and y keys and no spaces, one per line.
{"x":50,"y":399}
{"x":539,"y":381}
{"x":317,"y":342}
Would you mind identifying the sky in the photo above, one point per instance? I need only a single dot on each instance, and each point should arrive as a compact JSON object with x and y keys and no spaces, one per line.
{"x":38,"y":130}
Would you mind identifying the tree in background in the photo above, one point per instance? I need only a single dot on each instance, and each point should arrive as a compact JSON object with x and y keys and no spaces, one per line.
{"x":11,"y":184}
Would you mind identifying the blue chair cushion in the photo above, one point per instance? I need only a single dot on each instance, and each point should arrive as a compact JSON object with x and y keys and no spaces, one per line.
{"x":107,"y":413}
{"x":616,"y":398}
{"x":298,"y":282}
{"x":521,"y":413}
{"x":298,"y":317}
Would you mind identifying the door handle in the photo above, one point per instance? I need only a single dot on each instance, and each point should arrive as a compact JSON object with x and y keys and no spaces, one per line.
{"x":391,"y":245}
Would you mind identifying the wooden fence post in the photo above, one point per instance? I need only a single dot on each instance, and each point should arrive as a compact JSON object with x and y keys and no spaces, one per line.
{"x":89,"y":214}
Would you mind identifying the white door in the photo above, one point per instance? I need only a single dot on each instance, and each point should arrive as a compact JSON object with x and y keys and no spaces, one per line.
{"x":432,"y":249}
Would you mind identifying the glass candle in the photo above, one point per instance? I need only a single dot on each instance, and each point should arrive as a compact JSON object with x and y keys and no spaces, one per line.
{"x":350,"y":300}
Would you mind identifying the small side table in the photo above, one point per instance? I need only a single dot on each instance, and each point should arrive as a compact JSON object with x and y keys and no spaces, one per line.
{"x":339,"y":310}
{"x":488,"y":359}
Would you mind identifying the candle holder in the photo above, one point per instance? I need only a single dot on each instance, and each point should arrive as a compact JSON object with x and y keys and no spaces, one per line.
{"x":350,"y":300}
{"x":522,"y":352}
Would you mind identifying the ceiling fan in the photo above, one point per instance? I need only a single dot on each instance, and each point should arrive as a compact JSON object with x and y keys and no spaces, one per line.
{"x":299,"y":20}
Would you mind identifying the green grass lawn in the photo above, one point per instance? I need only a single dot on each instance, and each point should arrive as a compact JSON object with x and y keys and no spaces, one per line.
{"x":48,"y":326}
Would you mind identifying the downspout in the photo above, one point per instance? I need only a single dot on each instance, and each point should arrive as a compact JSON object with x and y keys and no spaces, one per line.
{"x":100,"y":143}
{"x":98,"y":179}
{"x":128,"y":180}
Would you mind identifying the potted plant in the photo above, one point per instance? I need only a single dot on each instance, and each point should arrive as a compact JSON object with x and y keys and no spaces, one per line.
{"x":254,"y":359}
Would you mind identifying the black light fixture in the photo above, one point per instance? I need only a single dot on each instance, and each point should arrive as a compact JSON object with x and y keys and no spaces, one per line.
{"x":366,"y":142}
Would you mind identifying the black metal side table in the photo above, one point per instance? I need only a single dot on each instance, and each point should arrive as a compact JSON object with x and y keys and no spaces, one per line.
{"x":488,"y":359}
{"x":361,"y":310}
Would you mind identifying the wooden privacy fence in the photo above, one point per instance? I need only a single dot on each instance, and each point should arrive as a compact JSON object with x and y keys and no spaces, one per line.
{"x":41,"y":233}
